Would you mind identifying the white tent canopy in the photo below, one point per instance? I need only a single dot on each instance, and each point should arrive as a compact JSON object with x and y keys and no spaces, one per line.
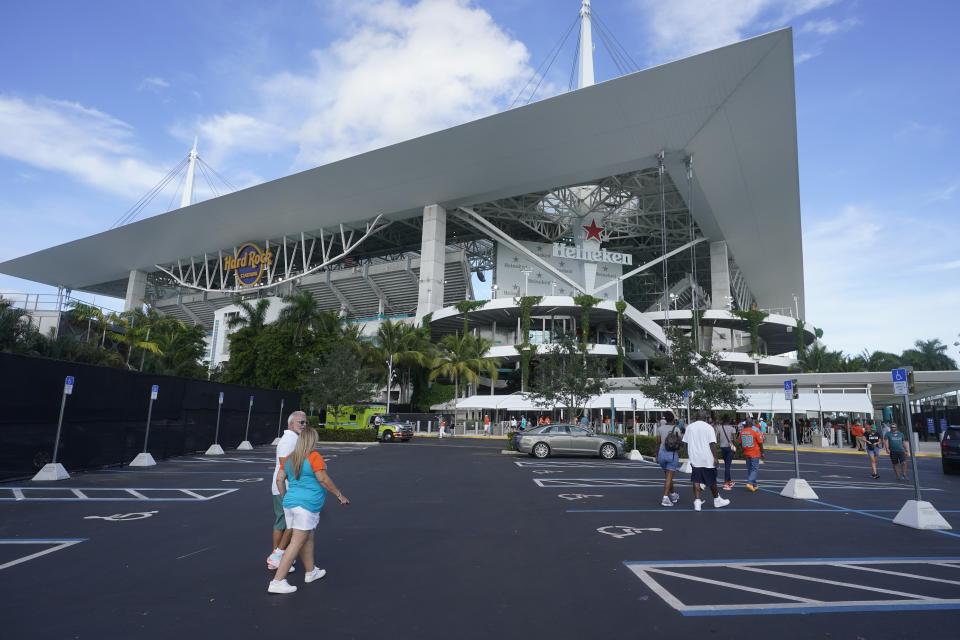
{"x":757,"y":401}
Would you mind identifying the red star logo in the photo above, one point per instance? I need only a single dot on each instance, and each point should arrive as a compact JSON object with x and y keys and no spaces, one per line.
{"x":593,"y":231}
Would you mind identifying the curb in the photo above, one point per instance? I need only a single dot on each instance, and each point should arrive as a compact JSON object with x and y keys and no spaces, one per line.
{"x":851,"y":452}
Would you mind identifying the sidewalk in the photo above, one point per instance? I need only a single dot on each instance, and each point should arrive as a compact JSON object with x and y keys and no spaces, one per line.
{"x":929,"y":449}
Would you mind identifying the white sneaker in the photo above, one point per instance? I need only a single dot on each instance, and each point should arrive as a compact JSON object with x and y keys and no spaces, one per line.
{"x":316,"y":574}
{"x":697,"y":504}
{"x":720,"y":502}
{"x":666,"y":502}
{"x":674,"y":497}
{"x":280,"y":586}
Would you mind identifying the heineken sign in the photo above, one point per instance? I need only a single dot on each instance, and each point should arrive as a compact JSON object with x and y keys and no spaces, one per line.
{"x":599,"y":255}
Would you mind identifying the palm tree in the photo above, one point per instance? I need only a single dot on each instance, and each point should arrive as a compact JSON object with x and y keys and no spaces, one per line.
{"x":125,"y":331}
{"x":455,"y":360}
{"x":301,"y":313}
{"x":88,"y":312}
{"x":485,"y":364}
{"x":252,"y":316}
{"x":928,"y":355}
{"x":880,"y":360}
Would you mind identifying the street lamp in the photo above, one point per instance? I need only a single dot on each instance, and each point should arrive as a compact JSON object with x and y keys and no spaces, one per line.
{"x":526,"y":280}
{"x":493,"y":290}
{"x":553,"y":288}
{"x":673,"y":298}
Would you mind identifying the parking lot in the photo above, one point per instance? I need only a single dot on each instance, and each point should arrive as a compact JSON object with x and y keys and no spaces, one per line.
{"x":451,"y":537}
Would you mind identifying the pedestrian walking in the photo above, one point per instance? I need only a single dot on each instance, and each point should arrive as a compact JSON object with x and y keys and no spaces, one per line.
{"x":752,"y":442}
{"x":443,"y":426}
{"x":701,"y":442}
{"x":296,"y":422}
{"x":872,"y":440}
{"x":303,"y":498}
{"x":726,"y":435}
{"x":513,"y":423}
{"x":668,"y":457}
{"x":486,"y":425}
{"x":896,"y":445}
{"x":523,"y":423}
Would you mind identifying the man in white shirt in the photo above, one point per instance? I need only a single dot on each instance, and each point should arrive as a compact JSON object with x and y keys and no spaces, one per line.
{"x":701,"y":442}
{"x":296,"y":422}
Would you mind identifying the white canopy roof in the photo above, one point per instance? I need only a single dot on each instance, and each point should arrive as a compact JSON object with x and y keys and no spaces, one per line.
{"x":757,"y":402}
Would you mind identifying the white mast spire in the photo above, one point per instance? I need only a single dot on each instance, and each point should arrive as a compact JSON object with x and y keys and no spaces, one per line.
{"x":187,"y":199}
{"x":585,"y":76}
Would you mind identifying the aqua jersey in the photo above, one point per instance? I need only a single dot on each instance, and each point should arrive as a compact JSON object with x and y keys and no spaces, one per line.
{"x":305,"y":491}
{"x":895,"y":441}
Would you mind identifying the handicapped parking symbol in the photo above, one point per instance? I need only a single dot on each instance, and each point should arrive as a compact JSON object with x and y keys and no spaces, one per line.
{"x":620,"y":531}
{"x":117,"y":517}
{"x":578,"y":496}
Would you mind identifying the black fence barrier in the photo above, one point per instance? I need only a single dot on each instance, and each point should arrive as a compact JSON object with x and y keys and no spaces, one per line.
{"x":105,"y":419}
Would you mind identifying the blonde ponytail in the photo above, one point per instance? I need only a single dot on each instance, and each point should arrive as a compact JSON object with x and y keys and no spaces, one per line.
{"x":305,"y":444}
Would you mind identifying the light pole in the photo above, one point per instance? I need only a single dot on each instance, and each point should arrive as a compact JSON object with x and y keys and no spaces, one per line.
{"x":673,"y":299}
{"x":526,"y":281}
{"x":553,"y":288}
{"x":389,"y":379}
{"x":493,"y":291}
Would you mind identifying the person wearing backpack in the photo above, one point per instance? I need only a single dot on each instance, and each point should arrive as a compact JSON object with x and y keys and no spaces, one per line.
{"x":668,"y":457}
{"x":752,"y":442}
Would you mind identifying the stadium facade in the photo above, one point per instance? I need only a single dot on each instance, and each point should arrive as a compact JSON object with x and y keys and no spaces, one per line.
{"x":674,"y":189}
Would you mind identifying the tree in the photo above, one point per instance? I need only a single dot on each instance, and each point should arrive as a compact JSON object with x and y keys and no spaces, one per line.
{"x":181,"y":348}
{"x":339,"y":380}
{"x":14,"y":326}
{"x":300,"y":314}
{"x":567,"y":377}
{"x":684,"y":369}
{"x":928,"y":355}
{"x":130,"y":328}
{"x":455,"y":360}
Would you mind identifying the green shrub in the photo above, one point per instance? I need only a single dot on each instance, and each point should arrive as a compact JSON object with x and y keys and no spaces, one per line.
{"x":347,"y":435}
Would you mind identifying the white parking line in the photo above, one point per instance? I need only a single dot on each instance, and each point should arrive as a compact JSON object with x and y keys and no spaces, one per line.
{"x":795,"y":603}
{"x":57,"y":546}
{"x":109,"y":494}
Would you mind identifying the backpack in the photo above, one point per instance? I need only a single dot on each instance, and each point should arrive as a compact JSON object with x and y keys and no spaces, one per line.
{"x":672,"y":441}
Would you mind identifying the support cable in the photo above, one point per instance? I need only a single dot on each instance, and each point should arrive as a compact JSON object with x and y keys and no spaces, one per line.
{"x":623,"y":50}
{"x":148,"y":197}
{"x":551,"y":56}
{"x":176,"y":191}
{"x":575,"y":63}
{"x":663,"y":241}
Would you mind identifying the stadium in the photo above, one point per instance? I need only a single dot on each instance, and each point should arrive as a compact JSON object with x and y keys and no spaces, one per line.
{"x":664,"y":197}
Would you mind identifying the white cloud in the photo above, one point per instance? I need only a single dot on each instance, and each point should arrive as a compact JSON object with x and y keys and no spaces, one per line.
{"x":828,"y":26}
{"x":684,"y":27}
{"x":800,"y":58}
{"x":404,"y":70}
{"x":154,"y":84}
{"x":861,"y":285}
{"x":87,"y":144}
{"x":930,"y":134}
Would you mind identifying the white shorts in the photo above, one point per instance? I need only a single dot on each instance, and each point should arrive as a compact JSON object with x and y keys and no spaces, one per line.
{"x":301,"y":519}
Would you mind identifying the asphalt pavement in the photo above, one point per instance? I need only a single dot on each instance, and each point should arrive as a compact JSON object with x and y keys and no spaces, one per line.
{"x":453,"y":538}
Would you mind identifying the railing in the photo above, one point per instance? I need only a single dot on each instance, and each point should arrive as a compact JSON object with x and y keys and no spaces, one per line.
{"x":47,"y":302}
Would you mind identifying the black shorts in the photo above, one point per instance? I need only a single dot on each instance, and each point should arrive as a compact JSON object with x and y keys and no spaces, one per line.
{"x":704,"y":475}
{"x":896,"y":457}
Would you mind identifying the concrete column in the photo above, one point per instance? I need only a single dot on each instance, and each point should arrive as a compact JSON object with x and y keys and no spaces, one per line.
{"x":432,"y":259}
{"x":719,"y":290}
{"x":719,"y":275}
{"x":136,"y":290}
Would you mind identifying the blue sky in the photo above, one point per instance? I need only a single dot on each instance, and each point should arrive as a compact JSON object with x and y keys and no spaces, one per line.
{"x":98,"y":101}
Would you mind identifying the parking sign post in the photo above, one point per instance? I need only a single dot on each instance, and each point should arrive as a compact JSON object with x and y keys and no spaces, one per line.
{"x":215,"y":449}
{"x":245,"y":445}
{"x":917,"y":513}
{"x":634,"y":453}
{"x":53,"y":470}
{"x":144,"y":459}
{"x":276,"y":440}
{"x":796,"y":487}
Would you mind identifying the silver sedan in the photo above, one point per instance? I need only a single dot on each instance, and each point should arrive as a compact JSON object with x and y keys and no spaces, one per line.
{"x":541,"y":442}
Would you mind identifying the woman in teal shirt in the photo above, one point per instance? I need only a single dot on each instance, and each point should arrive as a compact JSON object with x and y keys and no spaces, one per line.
{"x":303,"y":483}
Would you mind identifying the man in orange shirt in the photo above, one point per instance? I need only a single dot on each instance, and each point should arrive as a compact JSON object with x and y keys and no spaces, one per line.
{"x":857,"y":431}
{"x":752,"y":442}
